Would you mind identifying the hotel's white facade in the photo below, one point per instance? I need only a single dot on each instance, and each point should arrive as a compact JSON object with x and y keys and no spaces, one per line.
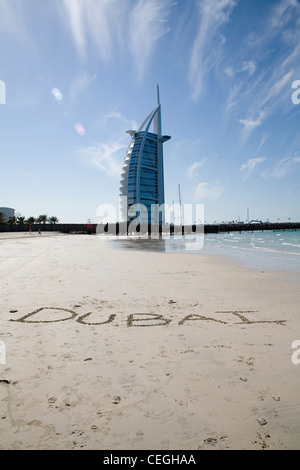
{"x":142,"y":177}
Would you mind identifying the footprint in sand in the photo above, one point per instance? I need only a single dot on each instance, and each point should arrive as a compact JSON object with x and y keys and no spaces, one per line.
{"x":213,"y":441}
{"x":52,"y":400}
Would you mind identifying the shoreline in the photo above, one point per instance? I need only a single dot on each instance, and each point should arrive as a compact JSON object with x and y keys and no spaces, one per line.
{"x":254,"y":262}
{"x":115,"y":349}
{"x":241,"y":256}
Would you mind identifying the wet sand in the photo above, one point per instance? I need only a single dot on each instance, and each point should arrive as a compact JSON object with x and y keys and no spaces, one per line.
{"x":121,"y":349}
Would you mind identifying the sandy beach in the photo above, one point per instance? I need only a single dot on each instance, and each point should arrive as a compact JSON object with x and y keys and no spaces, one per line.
{"x":119,"y":349}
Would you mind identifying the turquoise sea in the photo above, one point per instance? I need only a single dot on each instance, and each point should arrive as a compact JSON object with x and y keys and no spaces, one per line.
{"x":262,"y":250}
{"x":265,"y":250}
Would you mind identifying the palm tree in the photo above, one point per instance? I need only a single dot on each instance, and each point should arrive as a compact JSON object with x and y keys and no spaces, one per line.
{"x":12,"y":220}
{"x":53,"y":219}
{"x":2,"y":218}
{"x":20,"y":219}
{"x":30,"y":220}
{"x":42,"y":219}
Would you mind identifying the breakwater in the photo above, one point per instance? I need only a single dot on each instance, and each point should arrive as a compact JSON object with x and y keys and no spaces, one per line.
{"x":122,"y":228}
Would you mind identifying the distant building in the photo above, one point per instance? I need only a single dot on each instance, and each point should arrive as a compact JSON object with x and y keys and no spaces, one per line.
{"x":142,"y":177}
{"x":7,"y":212}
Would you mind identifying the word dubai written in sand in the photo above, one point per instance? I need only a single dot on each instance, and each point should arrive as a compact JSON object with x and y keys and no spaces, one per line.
{"x":56,"y":314}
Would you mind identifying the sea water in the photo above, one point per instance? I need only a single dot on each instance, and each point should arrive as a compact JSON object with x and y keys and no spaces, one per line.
{"x":261,"y":250}
{"x":264,"y":250}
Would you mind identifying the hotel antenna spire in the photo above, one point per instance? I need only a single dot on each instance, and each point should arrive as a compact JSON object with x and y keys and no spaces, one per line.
{"x":157,"y":117}
{"x":158,"y":102}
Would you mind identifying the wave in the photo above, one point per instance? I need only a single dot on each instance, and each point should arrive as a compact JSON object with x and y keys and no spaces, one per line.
{"x":269,"y":250}
{"x":291,"y":244}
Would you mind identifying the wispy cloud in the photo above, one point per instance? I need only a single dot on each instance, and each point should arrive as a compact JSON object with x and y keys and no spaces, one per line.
{"x":208,"y":191}
{"x":208,"y":43}
{"x":88,"y":21}
{"x":233,"y":96}
{"x":262,"y":142}
{"x":105,"y":156}
{"x":108,"y":156}
{"x":250,"y":124}
{"x":283,"y":167}
{"x":108,"y":24}
{"x":247,"y":66}
{"x":248,"y":167}
{"x":275,"y":45}
{"x":192,"y":169}
{"x":119,"y":117}
{"x":147,"y":24}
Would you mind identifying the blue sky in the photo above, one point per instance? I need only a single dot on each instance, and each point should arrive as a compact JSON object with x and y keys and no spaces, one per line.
{"x":76,"y":74}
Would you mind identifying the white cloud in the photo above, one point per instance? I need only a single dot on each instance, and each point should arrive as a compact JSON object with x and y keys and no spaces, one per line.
{"x":192,"y":170}
{"x":283,"y":167}
{"x":104,"y":156}
{"x":262,"y":142}
{"x":130,"y":123}
{"x":233,"y":97}
{"x":88,"y":21}
{"x":261,"y":85}
{"x":248,"y":167}
{"x":275,"y":23}
{"x":107,"y":24}
{"x":207,"y":191}
{"x":74,"y":9}
{"x":251,"y":124}
{"x":108,"y":156}
{"x":147,"y":24}
{"x":114,"y":115}
{"x":247,"y":66}
{"x":208,"y":42}
{"x":277,"y":51}
{"x":274,"y":94}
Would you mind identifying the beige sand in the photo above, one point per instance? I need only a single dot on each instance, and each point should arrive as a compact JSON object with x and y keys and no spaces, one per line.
{"x":112,"y":349}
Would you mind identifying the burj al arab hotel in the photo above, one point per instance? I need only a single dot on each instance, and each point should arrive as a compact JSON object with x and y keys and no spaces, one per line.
{"x":142,"y":177}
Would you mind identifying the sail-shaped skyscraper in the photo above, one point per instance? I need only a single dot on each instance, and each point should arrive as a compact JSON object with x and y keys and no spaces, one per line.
{"x":142,"y":177}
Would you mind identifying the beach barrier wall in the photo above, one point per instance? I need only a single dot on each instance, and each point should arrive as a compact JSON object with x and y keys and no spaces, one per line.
{"x":63,"y":228}
{"x":170,"y":229}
